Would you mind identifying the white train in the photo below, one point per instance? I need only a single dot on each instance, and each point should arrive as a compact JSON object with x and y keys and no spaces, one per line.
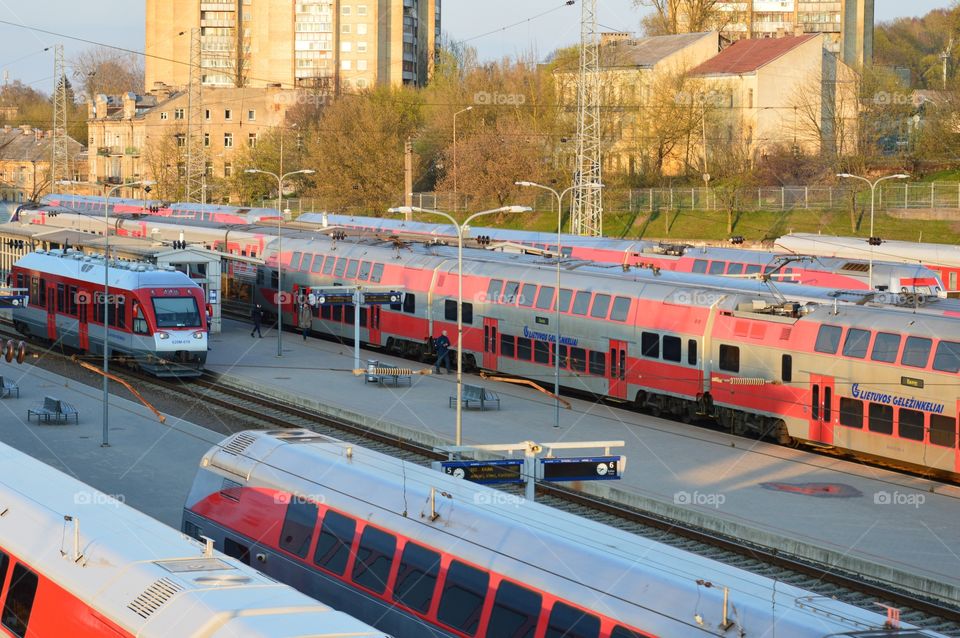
{"x":420,"y":553}
{"x":76,"y":563}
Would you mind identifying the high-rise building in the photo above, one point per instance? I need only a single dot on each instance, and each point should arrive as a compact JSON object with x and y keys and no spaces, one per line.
{"x":327,"y":44}
{"x":847,"y":25}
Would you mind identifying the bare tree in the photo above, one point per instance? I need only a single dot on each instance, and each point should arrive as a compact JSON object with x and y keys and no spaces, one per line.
{"x":683,"y":16}
{"x":164,"y":160}
{"x":108,"y":71}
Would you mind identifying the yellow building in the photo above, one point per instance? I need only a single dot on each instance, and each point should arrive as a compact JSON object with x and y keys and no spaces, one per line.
{"x":25,"y":155}
{"x":328,"y":44}
{"x":143,"y":137}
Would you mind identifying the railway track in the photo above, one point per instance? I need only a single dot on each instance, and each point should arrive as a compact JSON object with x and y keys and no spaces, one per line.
{"x":244,"y":410}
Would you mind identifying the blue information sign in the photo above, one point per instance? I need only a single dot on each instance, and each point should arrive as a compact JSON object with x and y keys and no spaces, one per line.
{"x":485,"y":472}
{"x":582,"y":468}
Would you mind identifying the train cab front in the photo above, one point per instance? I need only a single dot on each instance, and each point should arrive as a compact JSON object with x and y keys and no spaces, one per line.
{"x":179,"y":342}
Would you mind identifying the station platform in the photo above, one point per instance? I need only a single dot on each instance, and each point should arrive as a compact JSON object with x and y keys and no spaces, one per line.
{"x":148,"y":465}
{"x":878,"y":523}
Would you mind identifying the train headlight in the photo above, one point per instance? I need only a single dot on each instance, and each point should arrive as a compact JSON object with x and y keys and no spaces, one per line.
{"x":163,"y":335}
{"x":198,"y":334}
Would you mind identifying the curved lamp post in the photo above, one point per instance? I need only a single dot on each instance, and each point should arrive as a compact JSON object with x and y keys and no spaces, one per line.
{"x":873,"y":190}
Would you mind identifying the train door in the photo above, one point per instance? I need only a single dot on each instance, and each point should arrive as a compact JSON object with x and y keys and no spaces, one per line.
{"x":821,"y":409}
{"x":617,"y":369}
{"x":373,"y":324}
{"x":490,"y":342}
{"x":83,"y":330}
{"x":52,"y":313}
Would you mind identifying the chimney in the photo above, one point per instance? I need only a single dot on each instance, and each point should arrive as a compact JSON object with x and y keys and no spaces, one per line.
{"x":129,"y":106}
{"x":100,"y":105}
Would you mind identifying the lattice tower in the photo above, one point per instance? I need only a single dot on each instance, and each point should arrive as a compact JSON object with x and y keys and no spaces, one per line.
{"x":195,"y":163}
{"x":587,"y":215}
{"x":60,"y":160}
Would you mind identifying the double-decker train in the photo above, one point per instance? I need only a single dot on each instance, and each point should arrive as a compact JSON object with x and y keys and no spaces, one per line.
{"x":429,"y":555}
{"x":812,"y":268}
{"x":77,"y":563}
{"x":154,"y":317}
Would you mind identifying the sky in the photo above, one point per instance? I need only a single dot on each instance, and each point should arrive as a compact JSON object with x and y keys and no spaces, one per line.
{"x":496,"y":28}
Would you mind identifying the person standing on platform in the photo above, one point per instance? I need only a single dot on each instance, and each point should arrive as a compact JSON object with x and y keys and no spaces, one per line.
{"x":257,"y":315}
{"x":209,"y":321}
{"x":442,"y":346}
{"x":304,"y":318}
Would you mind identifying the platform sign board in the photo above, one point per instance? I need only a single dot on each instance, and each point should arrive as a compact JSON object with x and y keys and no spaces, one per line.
{"x":581,"y":468}
{"x":388,"y":297}
{"x":332,"y":297}
{"x":485,"y":472}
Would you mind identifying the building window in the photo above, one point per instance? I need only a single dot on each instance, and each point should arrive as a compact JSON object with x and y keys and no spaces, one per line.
{"x":362,"y":48}
{"x":178,"y":114}
{"x":228,"y":140}
{"x":206,"y":114}
{"x":227,"y":114}
{"x":346,"y":47}
{"x":361,"y":29}
{"x":252,"y":140}
{"x":345,"y":10}
{"x":361,"y":83}
{"x":163,"y":115}
{"x":227,"y":169}
{"x":181,"y":140}
{"x":251,"y":115}
{"x":206,"y":139}
{"x":361,"y":9}
{"x":344,"y":28}
{"x":345,"y":65}
{"x":361,"y":65}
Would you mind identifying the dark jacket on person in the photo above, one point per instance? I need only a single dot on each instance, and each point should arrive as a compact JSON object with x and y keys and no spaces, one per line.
{"x":442,"y":345}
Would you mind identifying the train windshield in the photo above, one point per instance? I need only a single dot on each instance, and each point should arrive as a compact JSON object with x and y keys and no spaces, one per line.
{"x":176,"y":312}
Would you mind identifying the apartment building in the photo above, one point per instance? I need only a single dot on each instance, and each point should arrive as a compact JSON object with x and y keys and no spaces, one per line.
{"x":847,"y":25}
{"x":331,"y":45}
{"x":25,"y":154}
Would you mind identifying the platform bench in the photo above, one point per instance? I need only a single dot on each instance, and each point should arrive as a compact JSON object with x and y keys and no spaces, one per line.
{"x":7,"y":388}
{"x":54,"y":411}
{"x":474,"y":395}
{"x":379,"y":372}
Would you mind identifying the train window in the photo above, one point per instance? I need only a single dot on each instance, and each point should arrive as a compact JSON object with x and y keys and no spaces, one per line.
{"x":621,"y":306}
{"x":601,"y":305}
{"x":116,"y":314}
{"x":61,"y":298}
{"x":352,"y":266}
{"x":786,"y":368}
{"x":578,"y":359}
{"x":569,"y":622}
{"x":326,"y":312}
{"x":4,"y":561}
{"x":340,"y":268}
{"x":815,"y":403}
{"x":493,"y":290}
{"x":328,"y":264}
{"x":581,"y":303}
{"x":692,"y":352}
{"x":295,"y":260}
{"x":885,"y":347}
{"x":461,"y":602}
{"x":880,"y":418}
{"x":467,"y":312}
{"x":409,"y":303}
{"x":598,"y":363}
{"x":334,"y":542}
{"x":827,"y":404}
{"x":20,"y":280}
{"x":735,"y":269}
{"x":524,"y":348}
{"x":953,"y":281}
{"x":700,"y":265}
{"x":623,"y":632}
{"x":363,"y":317}
{"x":545,"y":297}
{"x":337,"y":313}
{"x":510,"y":292}
{"x":910,"y":424}
{"x":317,"y":265}
{"x":172,"y":312}
{"x":672,"y":348}
{"x":856,"y":343}
{"x":851,"y":413}
{"x":72,"y":301}
{"x":943,"y":430}
{"x":528,"y":295}
{"x":507,"y":345}
{"x":947,"y":358}
{"x":364,"y":273}
{"x":450,"y":309}
{"x":298,"y":527}
{"x":752,"y":269}
{"x":515,"y":613}
{"x":374,"y":559}
{"x":564,"y":300}
{"x":650,"y":345}
{"x":730,"y":358}
{"x":419,"y":568}
{"x":916,"y":352}
{"x":349,"y":313}
{"x":19,"y":603}
{"x":35,"y":292}
{"x":237,"y":550}
{"x":541,"y":352}
{"x":564,"y":356}
{"x":828,"y":339}
{"x":377,"y":273}
{"x":716,"y":267}
{"x":42,"y":293}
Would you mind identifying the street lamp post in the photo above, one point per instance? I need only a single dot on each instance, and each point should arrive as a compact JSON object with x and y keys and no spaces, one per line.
{"x":280,"y":179}
{"x":460,"y":230}
{"x":873,"y":190}
{"x":104,"y":305}
{"x":556,"y":345}
{"x":469,"y":108}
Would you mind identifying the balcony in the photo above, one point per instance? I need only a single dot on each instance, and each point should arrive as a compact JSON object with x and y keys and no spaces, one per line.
{"x":132,"y":151}
{"x":103,"y":151}
{"x":112,"y":180}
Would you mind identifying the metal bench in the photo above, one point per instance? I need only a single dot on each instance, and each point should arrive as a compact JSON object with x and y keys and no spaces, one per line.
{"x":475,"y":395}
{"x":54,"y":411}
{"x":7,"y":388}
{"x":379,"y":372}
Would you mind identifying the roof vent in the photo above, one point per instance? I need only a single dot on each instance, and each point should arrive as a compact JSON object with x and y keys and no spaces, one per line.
{"x":154,"y":597}
{"x":239,"y":443}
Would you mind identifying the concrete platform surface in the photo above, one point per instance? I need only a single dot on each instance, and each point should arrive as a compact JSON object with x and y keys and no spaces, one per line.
{"x":875,"y":522}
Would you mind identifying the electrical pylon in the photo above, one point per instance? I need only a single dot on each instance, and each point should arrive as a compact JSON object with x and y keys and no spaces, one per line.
{"x":587,"y":215}
{"x":60,"y":159}
{"x":195,"y":164}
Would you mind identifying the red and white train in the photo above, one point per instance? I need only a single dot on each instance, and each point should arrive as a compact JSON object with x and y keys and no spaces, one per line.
{"x":155,"y":316}
{"x":77,"y":563}
{"x":422,"y":554}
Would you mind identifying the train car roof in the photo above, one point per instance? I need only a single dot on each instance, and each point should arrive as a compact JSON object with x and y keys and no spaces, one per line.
{"x":89,"y":268}
{"x":856,"y":247}
{"x":146,"y":577}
